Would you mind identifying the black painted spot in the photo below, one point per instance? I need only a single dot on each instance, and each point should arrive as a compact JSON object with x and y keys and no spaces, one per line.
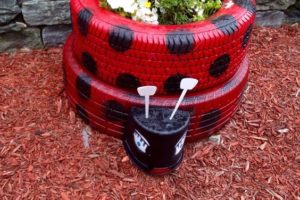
{"x":247,"y":36}
{"x":246,"y":4}
{"x":115,"y":111}
{"x":226,"y":23}
{"x":82,"y":113}
{"x":84,"y":18}
{"x":89,"y":63}
{"x":180,"y":42}
{"x":208,"y":121}
{"x":219,"y":66}
{"x":120,"y":38}
{"x":128,"y":81}
{"x":83,"y":85}
{"x":172,"y":84}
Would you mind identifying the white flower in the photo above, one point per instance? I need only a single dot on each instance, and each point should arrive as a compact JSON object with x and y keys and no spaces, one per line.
{"x":142,"y":2}
{"x":229,"y":4}
{"x":140,"y":9}
{"x":128,"y":5}
{"x":130,"y":8}
{"x":147,"y":15}
{"x":199,"y":11}
{"x":114,"y":4}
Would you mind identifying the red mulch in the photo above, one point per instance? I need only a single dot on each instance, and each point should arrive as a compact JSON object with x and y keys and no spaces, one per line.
{"x":42,"y":155}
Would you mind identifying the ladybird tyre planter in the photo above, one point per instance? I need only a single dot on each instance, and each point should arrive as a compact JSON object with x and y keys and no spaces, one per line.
{"x":106,"y":107}
{"x":127,"y":54}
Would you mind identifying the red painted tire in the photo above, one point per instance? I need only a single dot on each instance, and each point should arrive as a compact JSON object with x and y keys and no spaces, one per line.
{"x":115,"y":126}
{"x":118,"y":50}
{"x":105,"y":107}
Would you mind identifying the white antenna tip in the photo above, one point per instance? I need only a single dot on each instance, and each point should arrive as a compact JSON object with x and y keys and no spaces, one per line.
{"x":147,"y":90}
{"x":188,"y":83}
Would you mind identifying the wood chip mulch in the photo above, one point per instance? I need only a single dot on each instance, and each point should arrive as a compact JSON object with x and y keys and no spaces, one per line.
{"x":43,"y":154}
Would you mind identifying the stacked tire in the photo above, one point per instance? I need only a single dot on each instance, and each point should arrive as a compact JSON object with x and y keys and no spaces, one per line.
{"x":107,"y":57}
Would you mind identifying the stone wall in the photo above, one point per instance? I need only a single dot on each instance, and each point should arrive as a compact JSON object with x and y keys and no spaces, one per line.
{"x":46,"y":23}
{"x":33,"y":23}
{"x":277,"y":12}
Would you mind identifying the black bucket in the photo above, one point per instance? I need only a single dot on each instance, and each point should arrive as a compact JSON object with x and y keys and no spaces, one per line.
{"x":156,"y":144}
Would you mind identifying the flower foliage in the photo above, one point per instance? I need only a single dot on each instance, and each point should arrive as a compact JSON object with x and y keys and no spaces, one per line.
{"x":163,"y":11}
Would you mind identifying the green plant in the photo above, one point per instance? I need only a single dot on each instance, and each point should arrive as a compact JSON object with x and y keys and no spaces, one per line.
{"x":164,"y":11}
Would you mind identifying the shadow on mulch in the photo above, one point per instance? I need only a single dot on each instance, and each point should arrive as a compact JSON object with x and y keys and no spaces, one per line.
{"x":42,"y":154}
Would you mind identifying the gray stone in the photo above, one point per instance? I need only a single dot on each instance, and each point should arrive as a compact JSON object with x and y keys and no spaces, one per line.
{"x":14,"y":26}
{"x":297,"y":5}
{"x":9,"y":9}
{"x":30,"y":38}
{"x":274,"y":4}
{"x":215,"y":139}
{"x":55,"y":35}
{"x":293,"y":16}
{"x":46,"y":12}
{"x":270,"y":18}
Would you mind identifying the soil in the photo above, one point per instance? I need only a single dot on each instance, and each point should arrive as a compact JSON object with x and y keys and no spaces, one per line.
{"x":46,"y":152}
{"x":159,"y":120}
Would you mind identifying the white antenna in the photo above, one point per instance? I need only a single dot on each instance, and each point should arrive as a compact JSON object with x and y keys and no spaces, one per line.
{"x":185,"y":84}
{"x":146,"y":92}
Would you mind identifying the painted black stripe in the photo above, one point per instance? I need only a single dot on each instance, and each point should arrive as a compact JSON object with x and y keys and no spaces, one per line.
{"x":246,"y":4}
{"x":247,"y":36}
{"x":209,"y":120}
{"x":226,"y":23}
{"x":89,"y":63}
{"x":82,"y":113}
{"x":180,"y":42}
{"x":83,"y":86}
{"x":115,"y":111}
{"x":84,"y":18}
{"x":121,"y":38}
